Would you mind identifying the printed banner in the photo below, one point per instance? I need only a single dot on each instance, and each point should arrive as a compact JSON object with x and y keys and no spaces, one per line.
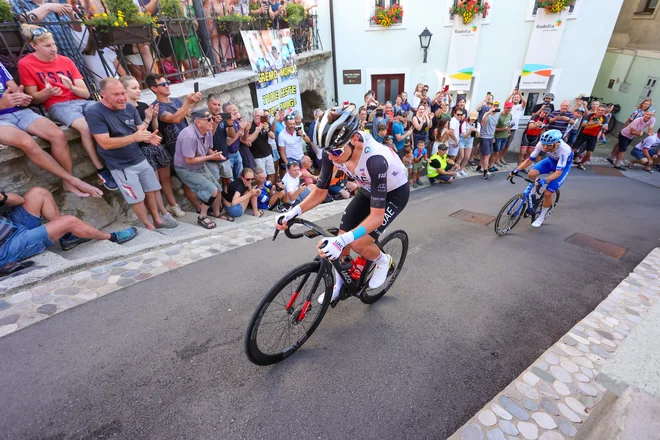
{"x":462,"y":54}
{"x":273,"y":58}
{"x":542,"y":50}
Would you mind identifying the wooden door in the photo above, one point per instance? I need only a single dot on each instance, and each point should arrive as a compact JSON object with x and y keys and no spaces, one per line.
{"x":387,"y":87}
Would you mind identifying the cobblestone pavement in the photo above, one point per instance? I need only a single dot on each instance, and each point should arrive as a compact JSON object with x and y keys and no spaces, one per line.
{"x":553,"y":397}
{"x":24,"y":308}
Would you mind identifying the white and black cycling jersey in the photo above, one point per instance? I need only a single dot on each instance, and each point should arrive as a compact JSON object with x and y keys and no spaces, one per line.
{"x":379,"y":171}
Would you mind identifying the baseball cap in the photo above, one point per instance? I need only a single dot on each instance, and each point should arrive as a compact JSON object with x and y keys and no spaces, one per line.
{"x":508,"y":104}
{"x":496,"y":103}
{"x":581,"y":110}
{"x":200,"y":113}
{"x":549,"y":95}
{"x":389,"y":136}
{"x":400,"y":113}
{"x":443,"y":147}
{"x":474,"y":114}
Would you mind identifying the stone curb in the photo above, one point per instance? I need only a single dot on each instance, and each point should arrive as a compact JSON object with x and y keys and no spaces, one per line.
{"x":552,"y":398}
{"x":32,"y":305}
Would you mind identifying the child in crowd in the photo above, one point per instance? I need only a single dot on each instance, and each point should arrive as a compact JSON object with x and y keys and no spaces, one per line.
{"x":420,"y":158}
{"x":305,"y":173}
{"x":389,"y":142}
{"x":382,"y":132}
{"x":407,"y":160}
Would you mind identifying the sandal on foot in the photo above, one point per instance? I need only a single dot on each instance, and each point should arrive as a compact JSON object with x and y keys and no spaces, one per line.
{"x":222,"y":216}
{"x":205,"y":222}
{"x":260,"y":213}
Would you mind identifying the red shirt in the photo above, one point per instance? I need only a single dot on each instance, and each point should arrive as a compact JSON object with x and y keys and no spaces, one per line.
{"x":34,"y":72}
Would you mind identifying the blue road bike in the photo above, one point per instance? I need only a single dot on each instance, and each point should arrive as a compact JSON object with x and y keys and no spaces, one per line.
{"x":525,"y":204}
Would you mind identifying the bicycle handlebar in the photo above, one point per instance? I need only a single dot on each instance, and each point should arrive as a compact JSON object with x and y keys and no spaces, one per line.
{"x":299,"y":221}
{"x":538,"y":187}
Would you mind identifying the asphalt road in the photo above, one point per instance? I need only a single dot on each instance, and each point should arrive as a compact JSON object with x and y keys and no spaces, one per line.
{"x":163,"y":359}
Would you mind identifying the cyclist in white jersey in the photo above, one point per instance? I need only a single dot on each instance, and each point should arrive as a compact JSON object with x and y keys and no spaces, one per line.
{"x":382,"y":195}
{"x":558,"y":162}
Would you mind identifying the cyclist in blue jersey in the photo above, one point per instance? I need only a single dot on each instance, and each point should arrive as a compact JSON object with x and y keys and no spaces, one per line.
{"x":383,"y":192}
{"x":558,"y":162}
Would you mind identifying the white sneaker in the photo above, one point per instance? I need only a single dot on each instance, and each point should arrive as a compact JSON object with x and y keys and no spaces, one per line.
{"x":176,"y":210}
{"x":463,"y":173}
{"x":488,"y":175}
{"x":335,"y":295}
{"x":539,"y":221}
{"x":380,"y":274}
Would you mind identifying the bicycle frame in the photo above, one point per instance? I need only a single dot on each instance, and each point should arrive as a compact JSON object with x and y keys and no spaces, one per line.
{"x":529,"y":201}
{"x":350,"y":287}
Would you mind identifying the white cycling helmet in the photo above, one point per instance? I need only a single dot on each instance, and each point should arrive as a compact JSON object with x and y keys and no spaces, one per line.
{"x":336,"y":127}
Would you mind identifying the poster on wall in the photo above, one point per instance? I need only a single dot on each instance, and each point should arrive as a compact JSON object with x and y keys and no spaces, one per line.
{"x":542,"y":50}
{"x":273,"y":59}
{"x":462,"y":54}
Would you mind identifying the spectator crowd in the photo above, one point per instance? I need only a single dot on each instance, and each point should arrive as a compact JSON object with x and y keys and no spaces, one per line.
{"x":231,"y":164}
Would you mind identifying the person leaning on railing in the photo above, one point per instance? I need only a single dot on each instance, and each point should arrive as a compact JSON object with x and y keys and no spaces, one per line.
{"x":54,"y":81}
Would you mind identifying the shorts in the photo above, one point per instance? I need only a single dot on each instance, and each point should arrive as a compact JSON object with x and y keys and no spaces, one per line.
{"x":453,"y":150}
{"x":499,"y":144}
{"x":201,"y":182}
{"x":486,"y":146}
{"x":549,"y":165}
{"x":360,"y":207}
{"x":135,"y":181}
{"x":20,"y":119}
{"x":335,"y":189}
{"x":443,"y":177}
{"x":70,"y":111}
{"x":266,"y":163}
{"x":220,"y":169}
{"x":303,"y":195}
{"x":510,"y":138}
{"x":653,"y":152}
{"x":180,"y":46}
{"x":156,"y":155}
{"x":29,"y":239}
{"x":623,"y":143}
{"x":529,"y":140}
{"x":638,"y":154}
{"x":465,"y":142}
{"x":234,"y":210}
{"x":589,"y":142}
{"x":418,"y":166}
{"x":571,"y":137}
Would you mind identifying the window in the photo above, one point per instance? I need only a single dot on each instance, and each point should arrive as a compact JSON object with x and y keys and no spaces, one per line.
{"x":387,"y":87}
{"x":647,"y":7}
{"x":532,"y":99}
{"x":449,"y":19}
{"x":573,"y":10}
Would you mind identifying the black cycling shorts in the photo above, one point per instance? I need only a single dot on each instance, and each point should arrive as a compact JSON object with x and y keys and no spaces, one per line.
{"x":360,"y":207}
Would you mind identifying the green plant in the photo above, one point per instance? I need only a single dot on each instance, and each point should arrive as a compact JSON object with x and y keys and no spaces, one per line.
{"x":234,"y":18}
{"x":295,"y":13}
{"x":6,"y":15}
{"x":171,"y":9}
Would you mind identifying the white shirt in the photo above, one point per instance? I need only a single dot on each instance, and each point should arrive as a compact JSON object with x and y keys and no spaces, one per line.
{"x":560,"y":155}
{"x":291,"y":184}
{"x":292,"y":144}
{"x":516,"y":113}
{"x":454,"y":125}
{"x":648,"y":142}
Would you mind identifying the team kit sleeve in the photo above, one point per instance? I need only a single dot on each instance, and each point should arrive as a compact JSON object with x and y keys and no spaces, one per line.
{"x":536,"y":152}
{"x":377,"y":169}
{"x":327,"y":167}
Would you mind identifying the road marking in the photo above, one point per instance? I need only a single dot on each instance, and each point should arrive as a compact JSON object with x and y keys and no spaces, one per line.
{"x":415,"y":249}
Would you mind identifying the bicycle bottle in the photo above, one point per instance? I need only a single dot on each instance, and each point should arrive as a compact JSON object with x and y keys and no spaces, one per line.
{"x":358,"y":265}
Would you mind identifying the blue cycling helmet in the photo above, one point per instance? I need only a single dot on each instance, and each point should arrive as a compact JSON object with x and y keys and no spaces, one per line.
{"x":551,"y":137}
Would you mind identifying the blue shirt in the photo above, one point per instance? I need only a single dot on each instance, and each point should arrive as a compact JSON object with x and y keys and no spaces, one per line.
{"x":5,"y":77}
{"x":405,"y":106}
{"x":264,"y":197}
{"x":397,"y":128}
{"x":417,"y":154}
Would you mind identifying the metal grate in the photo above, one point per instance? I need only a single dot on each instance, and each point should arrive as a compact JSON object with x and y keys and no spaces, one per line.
{"x":473,"y":217}
{"x":609,"y":249}
{"x":607,"y":171}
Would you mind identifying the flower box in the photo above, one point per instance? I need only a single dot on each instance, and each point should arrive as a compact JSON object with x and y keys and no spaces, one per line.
{"x":178,"y":28}
{"x":11,"y":38}
{"x":117,"y":36}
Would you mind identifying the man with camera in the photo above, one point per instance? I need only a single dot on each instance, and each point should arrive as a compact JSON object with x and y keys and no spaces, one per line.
{"x":399,"y":131}
{"x":194,"y":147}
{"x":221,"y":169}
{"x":240,"y":193}
{"x":563,"y":118}
{"x":257,"y":139}
{"x":296,"y":189}
{"x":290,"y":142}
{"x":272,"y":197}
{"x":536,"y":125}
{"x":546,"y":104}
{"x":370,"y":103}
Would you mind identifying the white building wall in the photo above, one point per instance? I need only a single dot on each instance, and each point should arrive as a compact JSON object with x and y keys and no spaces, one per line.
{"x":500,"y":56}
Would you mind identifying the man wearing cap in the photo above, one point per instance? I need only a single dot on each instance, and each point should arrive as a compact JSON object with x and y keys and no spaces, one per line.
{"x":547,"y":104}
{"x":502,"y":132}
{"x":440,"y":169}
{"x":399,"y":131}
{"x":194,"y":147}
{"x":536,"y":125}
{"x":591,"y":126}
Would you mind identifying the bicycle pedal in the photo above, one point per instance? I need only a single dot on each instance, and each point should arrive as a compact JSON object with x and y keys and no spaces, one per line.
{"x":334,"y":303}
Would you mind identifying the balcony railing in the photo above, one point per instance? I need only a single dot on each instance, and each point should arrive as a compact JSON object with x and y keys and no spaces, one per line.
{"x":178,"y":48}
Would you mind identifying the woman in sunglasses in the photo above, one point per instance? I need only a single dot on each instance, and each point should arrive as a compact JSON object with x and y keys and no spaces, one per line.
{"x":383,"y":192}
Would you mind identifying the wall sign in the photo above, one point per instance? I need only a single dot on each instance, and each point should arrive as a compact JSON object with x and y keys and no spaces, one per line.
{"x":352,"y":76}
{"x":463,"y":54}
{"x":542,"y":50}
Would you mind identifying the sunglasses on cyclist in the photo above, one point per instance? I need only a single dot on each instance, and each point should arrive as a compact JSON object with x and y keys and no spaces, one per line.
{"x":163,"y":84}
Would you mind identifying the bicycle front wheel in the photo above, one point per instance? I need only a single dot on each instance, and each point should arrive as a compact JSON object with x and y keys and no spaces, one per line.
{"x":288,"y":314}
{"x":510,"y":214}
{"x":396,"y":246}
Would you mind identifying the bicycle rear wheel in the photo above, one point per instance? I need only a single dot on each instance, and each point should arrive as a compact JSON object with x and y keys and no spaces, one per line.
{"x":510,"y":214}
{"x":395,"y":245}
{"x":539,"y":205}
{"x":284,"y":319}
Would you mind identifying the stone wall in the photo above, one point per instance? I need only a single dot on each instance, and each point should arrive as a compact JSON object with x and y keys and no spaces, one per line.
{"x":18,"y":174}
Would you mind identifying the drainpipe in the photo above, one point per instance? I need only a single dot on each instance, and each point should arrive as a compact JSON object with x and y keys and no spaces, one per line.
{"x":334,"y":51}
{"x":625,"y":79}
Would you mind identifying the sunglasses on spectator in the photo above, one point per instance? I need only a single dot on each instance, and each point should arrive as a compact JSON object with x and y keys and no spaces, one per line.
{"x":292,"y":162}
{"x":459,"y":114}
{"x":248,"y":179}
{"x":163,"y":84}
{"x":39,"y":32}
{"x":426,"y":90}
{"x":290,"y":117}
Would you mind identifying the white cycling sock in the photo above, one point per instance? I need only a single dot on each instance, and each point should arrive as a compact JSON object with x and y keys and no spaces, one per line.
{"x":338,"y":283}
{"x":544,"y":211}
{"x":381,"y":260}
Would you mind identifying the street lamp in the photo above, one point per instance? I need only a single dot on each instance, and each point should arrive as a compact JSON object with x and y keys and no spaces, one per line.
{"x":425,"y":41}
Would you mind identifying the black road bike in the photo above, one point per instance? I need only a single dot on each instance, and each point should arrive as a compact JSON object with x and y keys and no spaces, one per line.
{"x":290,"y":312}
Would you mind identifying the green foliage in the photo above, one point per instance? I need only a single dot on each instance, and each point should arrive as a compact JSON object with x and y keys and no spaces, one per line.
{"x":171,"y":8}
{"x":234,"y":18}
{"x":295,"y":13}
{"x":6,"y":15}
